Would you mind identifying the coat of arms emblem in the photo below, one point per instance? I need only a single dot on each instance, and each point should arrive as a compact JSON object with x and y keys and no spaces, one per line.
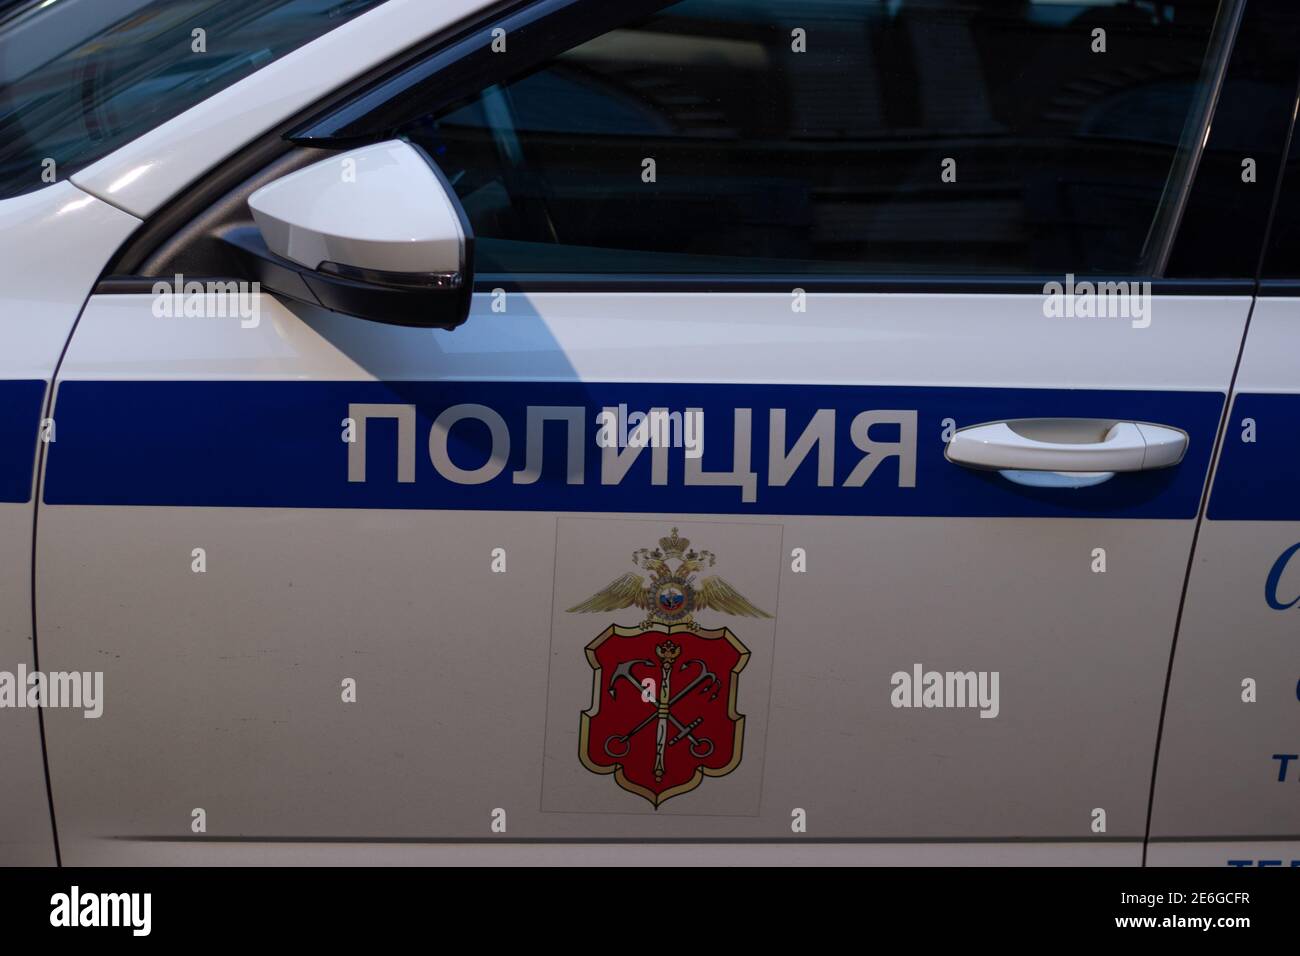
{"x":663,"y":710}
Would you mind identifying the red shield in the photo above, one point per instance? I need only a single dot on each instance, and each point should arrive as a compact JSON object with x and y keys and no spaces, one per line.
{"x":663,"y":712}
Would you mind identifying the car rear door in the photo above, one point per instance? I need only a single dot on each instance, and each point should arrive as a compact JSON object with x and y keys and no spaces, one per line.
{"x":354,"y":583}
{"x":1225,"y":788}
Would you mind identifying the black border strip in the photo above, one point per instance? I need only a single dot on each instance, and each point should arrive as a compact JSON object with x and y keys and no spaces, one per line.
{"x":776,"y":839}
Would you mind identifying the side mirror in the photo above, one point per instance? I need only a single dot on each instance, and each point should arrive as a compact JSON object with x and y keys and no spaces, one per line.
{"x":375,"y":233}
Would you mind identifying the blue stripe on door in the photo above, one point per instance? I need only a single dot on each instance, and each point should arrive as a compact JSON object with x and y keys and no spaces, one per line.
{"x":20,"y":420}
{"x":278,"y":444}
{"x":1259,"y":480}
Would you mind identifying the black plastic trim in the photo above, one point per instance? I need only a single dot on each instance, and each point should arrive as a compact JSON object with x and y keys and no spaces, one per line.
{"x":144,"y":285}
{"x":912,"y":285}
{"x":1279,"y":288}
{"x":429,"y":308}
{"x":881,"y":285}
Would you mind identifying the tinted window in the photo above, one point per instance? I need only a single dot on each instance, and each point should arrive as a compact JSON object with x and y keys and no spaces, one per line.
{"x":1227,"y":210}
{"x":770,"y":159}
{"x":78,"y":78}
{"x":1282,"y":260}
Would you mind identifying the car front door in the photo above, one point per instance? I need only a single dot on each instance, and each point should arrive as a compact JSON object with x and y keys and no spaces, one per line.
{"x":355,"y":583}
{"x":84,"y":84}
{"x":45,"y":285}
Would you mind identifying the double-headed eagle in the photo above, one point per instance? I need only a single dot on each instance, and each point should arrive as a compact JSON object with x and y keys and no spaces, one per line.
{"x":671,"y":595}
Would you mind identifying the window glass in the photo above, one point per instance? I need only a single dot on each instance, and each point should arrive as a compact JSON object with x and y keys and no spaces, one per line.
{"x":1282,"y":258}
{"x":1226,"y":213}
{"x":812,"y":135}
{"x":79,"y":78}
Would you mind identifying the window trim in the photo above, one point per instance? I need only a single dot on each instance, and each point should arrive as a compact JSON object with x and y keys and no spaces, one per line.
{"x":939,"y":284}
{"x":1196,"y":134}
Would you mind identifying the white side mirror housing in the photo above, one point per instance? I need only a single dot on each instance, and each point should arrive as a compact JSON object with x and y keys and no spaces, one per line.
{"x":375,"y":232}
{"x":378,"y":208}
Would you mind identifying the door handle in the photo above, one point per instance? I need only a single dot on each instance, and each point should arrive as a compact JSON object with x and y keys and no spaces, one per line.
{"x":1073,"y":446}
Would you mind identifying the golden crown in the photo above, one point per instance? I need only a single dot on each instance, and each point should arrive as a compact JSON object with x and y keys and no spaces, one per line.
{"x":674,"y":546}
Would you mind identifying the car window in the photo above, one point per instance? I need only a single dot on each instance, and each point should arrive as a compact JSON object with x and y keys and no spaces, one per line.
{"x":78,"y":78}
{"x":1282,"y":258}
{"x":913,"y":136}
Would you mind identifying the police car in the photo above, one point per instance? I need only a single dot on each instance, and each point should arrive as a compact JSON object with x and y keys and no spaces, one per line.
{"x":721,"y":430}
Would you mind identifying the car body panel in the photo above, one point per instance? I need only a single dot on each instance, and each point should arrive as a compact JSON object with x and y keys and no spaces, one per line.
{"x":1240,"y":622}
{"x":53,"y":244}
